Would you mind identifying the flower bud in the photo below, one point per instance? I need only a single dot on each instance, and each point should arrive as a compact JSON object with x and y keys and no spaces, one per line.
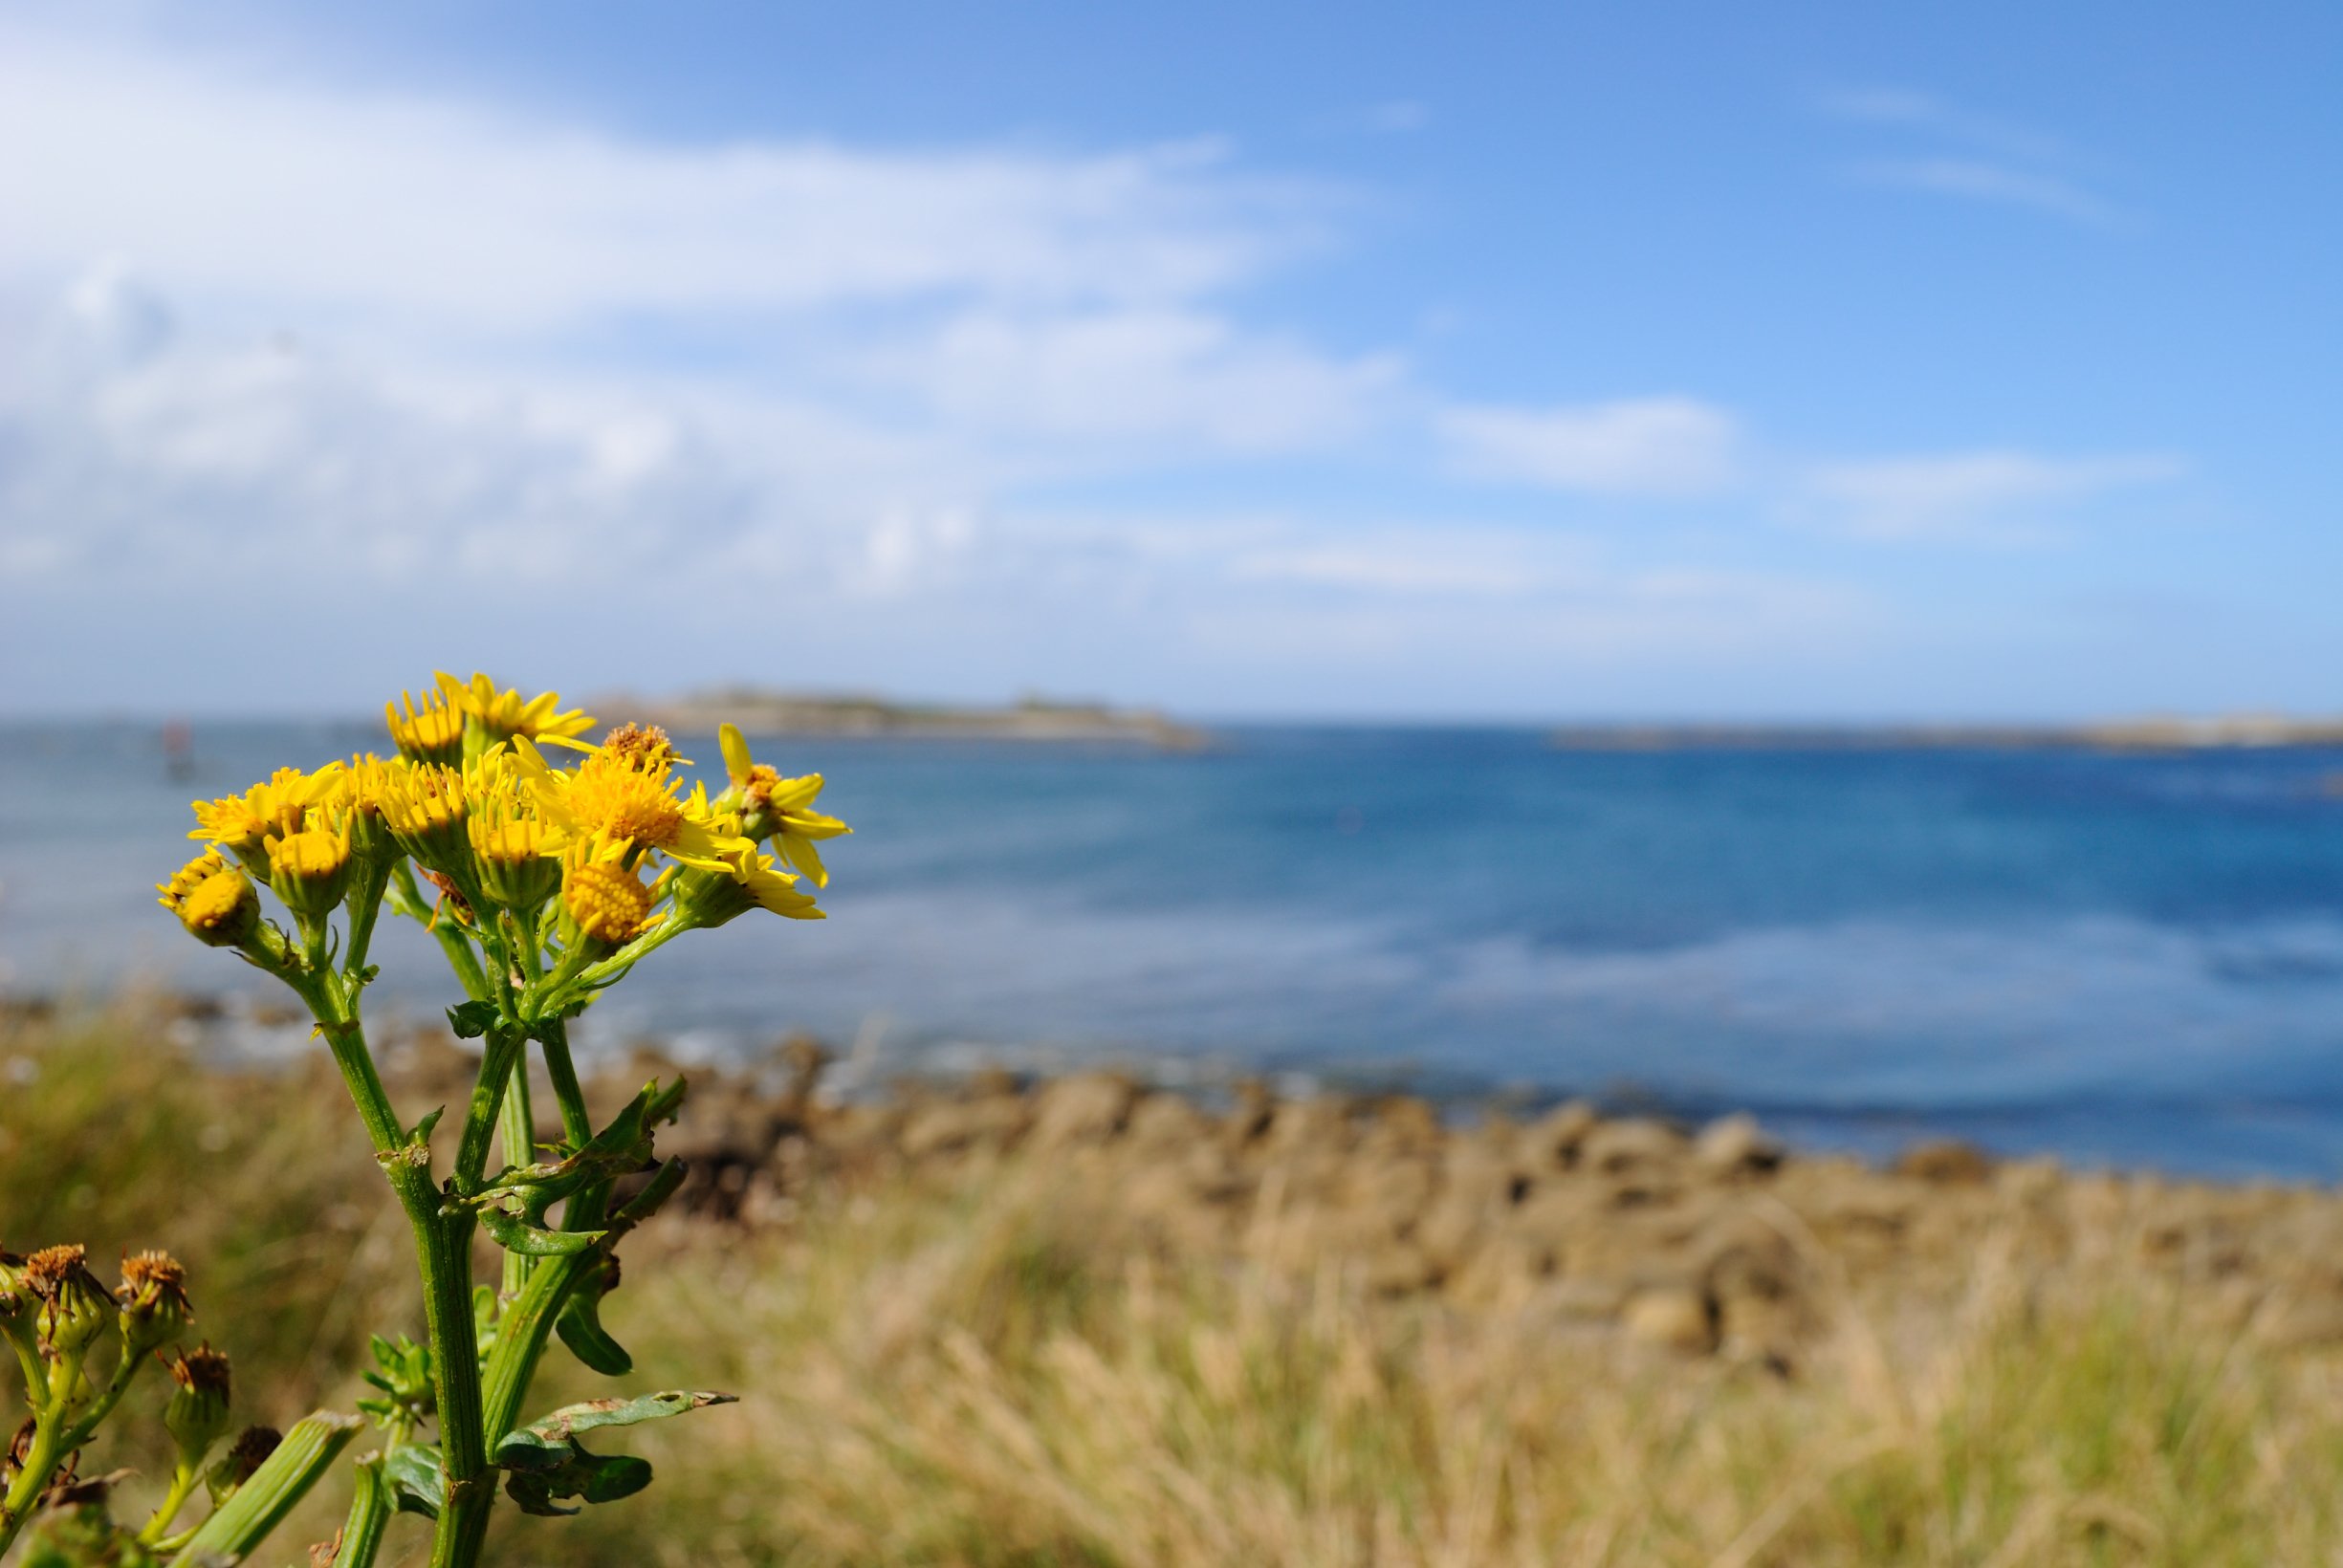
{"x":252,"y":1447}
{"x":154,"y":1301}
{"x":197,"y":1414}
{"x":310,"y":870}
{"x":213,"y":900}
{"x":74,"y":1308}
{"x":15,"y":1296}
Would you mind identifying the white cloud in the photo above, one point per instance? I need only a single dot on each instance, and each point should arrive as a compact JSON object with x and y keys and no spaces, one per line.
{"x":1658,"y":447}
{"x":288,"y":196}
{"x":2001,"y":497}
{"x":1164,"y":373}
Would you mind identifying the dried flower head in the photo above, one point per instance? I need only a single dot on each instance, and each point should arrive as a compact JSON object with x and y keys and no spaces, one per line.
{"x":154,"y":1300}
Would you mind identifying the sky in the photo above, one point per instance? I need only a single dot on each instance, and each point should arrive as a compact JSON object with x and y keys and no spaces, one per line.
{"x":1469,"y":361}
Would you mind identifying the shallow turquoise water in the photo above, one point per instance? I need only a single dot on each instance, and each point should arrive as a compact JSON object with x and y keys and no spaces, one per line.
{"x":2137,"y":959}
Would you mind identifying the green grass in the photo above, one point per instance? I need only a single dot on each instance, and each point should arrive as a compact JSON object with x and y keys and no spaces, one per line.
{"x":995,"y":1371}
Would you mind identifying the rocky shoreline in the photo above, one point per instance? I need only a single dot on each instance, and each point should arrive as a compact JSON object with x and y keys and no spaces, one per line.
{"x":1715,"y":1240}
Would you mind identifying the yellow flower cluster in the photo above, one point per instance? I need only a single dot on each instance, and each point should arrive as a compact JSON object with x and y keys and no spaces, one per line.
{"x":596,"y":854}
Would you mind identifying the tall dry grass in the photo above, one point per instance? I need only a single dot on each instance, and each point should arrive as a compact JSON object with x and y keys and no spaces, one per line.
{"x":998,"y":1373}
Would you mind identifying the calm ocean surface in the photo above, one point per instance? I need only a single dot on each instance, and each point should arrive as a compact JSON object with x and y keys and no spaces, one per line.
{"x":2136,"y":960}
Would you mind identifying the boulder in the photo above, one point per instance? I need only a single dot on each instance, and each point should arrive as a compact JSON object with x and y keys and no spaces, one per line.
{"x":1735,"y":1147}
{"x":1637,"y":1146}
{"x":1083,"y":1108}
{"x":1673,"y":1318}
{"x":1945,"y":1162}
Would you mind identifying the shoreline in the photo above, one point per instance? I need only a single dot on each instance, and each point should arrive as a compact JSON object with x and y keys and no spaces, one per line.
{"x":1712,"y":1240}
{"x":243,"y":1029}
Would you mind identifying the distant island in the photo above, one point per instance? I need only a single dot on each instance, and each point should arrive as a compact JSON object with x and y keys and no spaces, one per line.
{"x":2155,"y":732}
{"x":760,"y":712}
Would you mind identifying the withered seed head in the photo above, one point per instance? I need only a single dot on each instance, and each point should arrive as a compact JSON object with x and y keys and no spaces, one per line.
{"x":250,"y":1449}
{"x":154,"y":1300}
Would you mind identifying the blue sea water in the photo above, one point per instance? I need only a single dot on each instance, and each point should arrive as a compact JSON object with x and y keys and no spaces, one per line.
{"x":2134,"y":959}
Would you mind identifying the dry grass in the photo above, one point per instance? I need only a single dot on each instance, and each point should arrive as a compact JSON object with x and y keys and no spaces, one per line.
{"x":997,"y":1375}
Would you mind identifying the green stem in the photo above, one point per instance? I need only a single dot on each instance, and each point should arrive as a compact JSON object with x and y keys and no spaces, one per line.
{"x":507,"y":1048}
{"x":183,"y":1486}
{"x":520,"y":1136}
{"x":576,"y":1126}
{"x":443,"y":1252}
{"x":363,"y":908}
{"x":260,"y":1505}
{"x":55,"y":1436}
{"x":362,"y":1533}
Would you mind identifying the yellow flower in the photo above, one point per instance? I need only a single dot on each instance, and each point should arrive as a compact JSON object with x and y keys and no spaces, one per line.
{"x":603,"y":903}
{"x":502,"y":715}
{"x":779,"y":808}
{"x":310,"y":870}
{"x":625,"y":798}
{"x":213,"y":900}
{"x":517,"y":854}
{"x":425,"y":808}
{"x":360,"y":791}
{"x":772,"y":888}
{"x":238,"y":823}
{"x":433,"y":733}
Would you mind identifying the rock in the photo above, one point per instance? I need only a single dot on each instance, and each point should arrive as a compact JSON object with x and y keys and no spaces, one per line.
{"x":1735,"y":1147}
{"x":1946,"y":1161}
{"x":1673,"y":1318}
{"x":1637,"y":1146}
{"x":1554,"y":1138}
{"x":953,"y":1126}
{"x":1165,"y":1123}
{"x":1081,"y":1108}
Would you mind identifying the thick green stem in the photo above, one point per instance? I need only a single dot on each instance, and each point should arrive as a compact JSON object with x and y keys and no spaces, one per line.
{"x":443,"y":1252}
{"x":443,"y":1245}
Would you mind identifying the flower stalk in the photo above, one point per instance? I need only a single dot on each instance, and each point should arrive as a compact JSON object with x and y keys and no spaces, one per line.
{"x":543,"y":886}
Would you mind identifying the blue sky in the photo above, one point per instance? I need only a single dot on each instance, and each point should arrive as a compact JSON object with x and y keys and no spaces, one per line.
{"x":1471,"y":361}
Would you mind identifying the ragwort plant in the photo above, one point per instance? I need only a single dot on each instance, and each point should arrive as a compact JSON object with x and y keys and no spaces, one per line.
{"x":544,"y":886}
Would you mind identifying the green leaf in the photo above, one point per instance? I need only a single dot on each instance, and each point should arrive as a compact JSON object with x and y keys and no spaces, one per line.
{"x":516,"y":1234}
{"x":471,"y":1019}
{"x":591,"y":1477}
{"x":547,"y":1442}
{"x":581,"y":1328}
{"x":417,"y":1482}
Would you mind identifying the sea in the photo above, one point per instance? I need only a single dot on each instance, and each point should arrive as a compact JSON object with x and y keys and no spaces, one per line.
{"x":2118,"y":960}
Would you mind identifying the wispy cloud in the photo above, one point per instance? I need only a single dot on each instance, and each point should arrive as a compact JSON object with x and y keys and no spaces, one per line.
{"x":1981,"y":497}
{"x":1991,"y":182}
{"x":1953,"y":150}
{"x":1648,"y":446}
